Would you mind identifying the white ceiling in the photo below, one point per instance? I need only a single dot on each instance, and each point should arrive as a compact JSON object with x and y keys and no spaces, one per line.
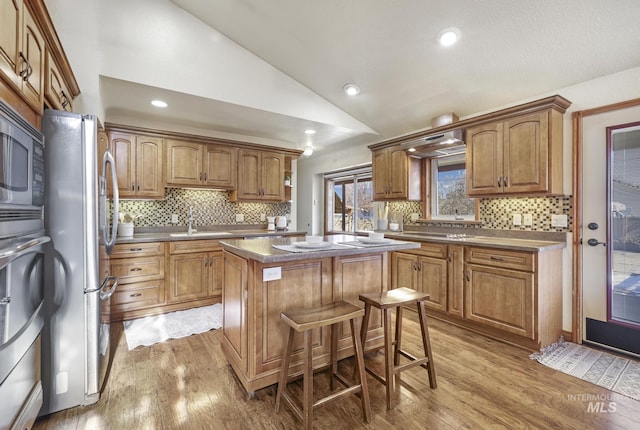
{"x":285,"y":62}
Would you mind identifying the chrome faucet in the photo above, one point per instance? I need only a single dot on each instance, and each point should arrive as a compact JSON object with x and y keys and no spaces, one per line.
{"x":190,"y":229}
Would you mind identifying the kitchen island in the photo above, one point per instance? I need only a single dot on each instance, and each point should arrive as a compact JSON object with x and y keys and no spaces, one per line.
{"x":263,"y":277}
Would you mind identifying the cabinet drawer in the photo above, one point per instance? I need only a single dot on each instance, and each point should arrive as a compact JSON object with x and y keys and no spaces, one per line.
{"x":435,"y":250}
{"x":501,"y":258}
{"x":138,"y":269}
{"x":138,"y":295}
{"x":127,"y":250}
{"x":188,"y":246}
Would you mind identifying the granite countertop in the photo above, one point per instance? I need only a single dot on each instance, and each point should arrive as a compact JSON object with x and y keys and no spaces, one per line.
{"x":171,"y":235}
{"x":263,"y":250}
{"x":515,"y":244}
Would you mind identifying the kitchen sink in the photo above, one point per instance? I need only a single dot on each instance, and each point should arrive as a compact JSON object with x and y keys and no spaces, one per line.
{"x":439,"y":235}
{"x":201,"y":234}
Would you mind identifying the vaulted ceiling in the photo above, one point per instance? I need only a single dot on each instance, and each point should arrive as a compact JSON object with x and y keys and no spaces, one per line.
{"x":268,"y":70}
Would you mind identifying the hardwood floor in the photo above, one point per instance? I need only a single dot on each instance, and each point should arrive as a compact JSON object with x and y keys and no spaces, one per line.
{"x":187,"y":384}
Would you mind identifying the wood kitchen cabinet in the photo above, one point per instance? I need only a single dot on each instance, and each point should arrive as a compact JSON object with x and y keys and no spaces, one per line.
{"x":396,"y":175}
{"x":455,"y":280}
{"x":260,"y":176}
{"x":139,"y":164}
{"x":195,"y":271}
{"x":56,"y":90}
{"x":423,"y":270}
{"x":22,"y":50}
{"x":140,"y":268}
{"x":518,"y":155}
{"x":200,"y":165}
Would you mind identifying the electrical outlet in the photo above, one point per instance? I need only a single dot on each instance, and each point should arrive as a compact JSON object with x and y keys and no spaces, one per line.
{"x":174,"y":218}
{"x":559,"y":220}
{"x":263,"y":217}
{"x":528,"y":219}
{"x":517,"y":219}
{"x":239,"y":217}
{"x":414,"y":217}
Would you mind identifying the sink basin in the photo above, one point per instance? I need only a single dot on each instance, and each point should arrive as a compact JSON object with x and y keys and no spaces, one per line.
{"x":201,"y":234}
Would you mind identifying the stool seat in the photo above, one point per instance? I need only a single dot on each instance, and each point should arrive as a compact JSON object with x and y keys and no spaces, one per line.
{"x":304,"y":321}
{"x":387,"y":301}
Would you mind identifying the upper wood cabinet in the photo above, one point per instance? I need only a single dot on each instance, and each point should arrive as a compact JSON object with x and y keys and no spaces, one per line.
{"x":139,"y":164}
{"x":396,"y":176}
{"x":260,"y":176}
{"x":56,"y":89}
{"x":520,"y":155}
{"x":22,"y":50}
{"x":200,"y":165}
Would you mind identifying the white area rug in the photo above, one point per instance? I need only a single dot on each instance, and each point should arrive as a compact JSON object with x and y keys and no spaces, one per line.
{"x":610,"y":371}
{"x":174,"y":325}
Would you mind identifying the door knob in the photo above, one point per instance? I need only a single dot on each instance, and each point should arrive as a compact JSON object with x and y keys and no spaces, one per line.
{"x":595,"y":242}
{"x":593,"y":226}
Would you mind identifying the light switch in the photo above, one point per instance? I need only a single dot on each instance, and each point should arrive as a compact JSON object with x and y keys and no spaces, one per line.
{"x":528,"y":219}
{"x":174,"y":218}
{"x":559,"y":220}
{"x":239,"y":217}
{"x":517,"y":219}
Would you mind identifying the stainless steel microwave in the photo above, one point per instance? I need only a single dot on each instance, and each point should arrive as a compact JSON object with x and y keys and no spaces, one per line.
{"x":21,"y":174}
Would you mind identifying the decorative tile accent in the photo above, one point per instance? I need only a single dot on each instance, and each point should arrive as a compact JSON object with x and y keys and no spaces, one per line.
{"x":497,"y":213}
{"x":407,"y":208}
{"x":210,"y":207}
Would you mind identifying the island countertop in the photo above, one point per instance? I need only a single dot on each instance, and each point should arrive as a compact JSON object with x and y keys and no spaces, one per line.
{"x":263,"y":250}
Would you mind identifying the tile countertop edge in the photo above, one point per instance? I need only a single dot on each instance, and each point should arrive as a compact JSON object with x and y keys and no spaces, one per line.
{"x":261,"y":250}
{"x":166,"y":236}
{"x":485,"y":241}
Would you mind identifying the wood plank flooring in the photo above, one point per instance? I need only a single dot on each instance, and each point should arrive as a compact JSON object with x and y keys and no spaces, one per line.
{"x":482,"y":384}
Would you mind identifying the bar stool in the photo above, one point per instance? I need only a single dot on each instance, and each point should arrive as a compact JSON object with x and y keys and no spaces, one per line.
{"x":303,"y":321}
{"x":386,"y":301}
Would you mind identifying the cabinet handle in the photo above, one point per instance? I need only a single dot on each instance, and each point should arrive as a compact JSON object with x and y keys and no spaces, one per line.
{"x":468,"y":276}
{"x":499,"y":181}
{"x":206,"y":262}
{"x":506,"y":181}
{"x":205,"y":175}
{"x":138,"y":186}
{"x":135,"y":249}
{"x":26,"y":69}
{"x":135,"y":269}
{"x":133,"y":186}
{"x":65,"y":100}
{"x":135,"y":295}
{"x":494,"y":258}
{"x":449,"y":258}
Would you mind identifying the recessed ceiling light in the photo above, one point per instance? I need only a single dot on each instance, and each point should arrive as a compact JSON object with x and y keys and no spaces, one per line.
{"x":352,"y":89}
{"x":308,"y":150}
{"x":309,"y":131}
{"x":159,"y":103}
{"x":449,"y":36}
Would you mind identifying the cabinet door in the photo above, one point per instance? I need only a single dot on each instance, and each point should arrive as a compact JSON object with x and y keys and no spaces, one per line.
{"x":10,"y":39}
{"x":432,"y":274}
{"x":33,"y":51}
{"x":124,"y":154}
{"x":216,"y":272}
{"x":398,"y":173}
{"x":149,"y":180}
{"x":404,"y":270}
{"x":55,"y":90}
{"x":455,"y":281}
{"x":526,"y":153}
{"x":500,"y":298}
{"x":249,"y":187}
{"x":484,"y":159}
{"x":184,"y":163}
{"x":380,"y":169}
{"x":272,"y":176}
{"x":234,"y":308}
{"x":220,"y":168}
{"x":188,"y":277}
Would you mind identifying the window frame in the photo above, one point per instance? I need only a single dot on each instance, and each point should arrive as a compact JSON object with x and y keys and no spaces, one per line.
{"x":353,"y":176}
{"x":430,"y":194}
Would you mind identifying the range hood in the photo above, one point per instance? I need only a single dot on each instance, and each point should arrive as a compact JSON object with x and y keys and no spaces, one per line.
{"x":436,"y":145}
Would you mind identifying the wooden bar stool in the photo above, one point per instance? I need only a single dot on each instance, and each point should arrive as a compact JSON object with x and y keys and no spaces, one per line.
{"x":303,"y":321}
{"x":386,"y":301}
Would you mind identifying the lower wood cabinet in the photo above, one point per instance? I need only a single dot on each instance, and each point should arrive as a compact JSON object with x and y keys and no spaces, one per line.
{"x":195,"y":270}
{"x":254,"y":334}
{"x":514,"y":296}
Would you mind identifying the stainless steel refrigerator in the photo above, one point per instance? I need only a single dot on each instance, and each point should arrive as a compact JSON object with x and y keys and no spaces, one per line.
{"x":76,"y":336}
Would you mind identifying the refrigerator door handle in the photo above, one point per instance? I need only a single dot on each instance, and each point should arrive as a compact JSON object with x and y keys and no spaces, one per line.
{"x":113,"y":281}
{"x":109,"y":239}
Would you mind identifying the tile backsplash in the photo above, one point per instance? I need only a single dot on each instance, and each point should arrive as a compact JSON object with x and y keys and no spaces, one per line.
{"x":497,"y":213}
{"x":210,"y":207}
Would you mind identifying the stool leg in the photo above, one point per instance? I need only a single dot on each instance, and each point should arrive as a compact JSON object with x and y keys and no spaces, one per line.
{"x":396,"y":350}
{"x":363,"y":331}
{"x":307,"y":396}
{"x":427,"y":345}
{"x":388,"y":356}
{"x":334,"y":356}
{"x":359,"y":350}
{"x":284,"y":370}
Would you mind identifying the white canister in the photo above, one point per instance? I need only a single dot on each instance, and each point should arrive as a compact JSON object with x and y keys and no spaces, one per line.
{"x":125,"y":229}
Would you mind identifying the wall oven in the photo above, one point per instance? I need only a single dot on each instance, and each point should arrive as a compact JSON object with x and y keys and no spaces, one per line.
{"x":22,"y":254}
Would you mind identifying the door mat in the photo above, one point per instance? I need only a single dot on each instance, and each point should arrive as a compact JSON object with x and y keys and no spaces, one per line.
{"x":610,"y":371}
{"x":149,"y":330}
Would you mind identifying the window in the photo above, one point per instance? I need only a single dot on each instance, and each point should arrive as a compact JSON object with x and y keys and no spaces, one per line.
{"x":349,"y":201}
{"x":448,"y":189}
